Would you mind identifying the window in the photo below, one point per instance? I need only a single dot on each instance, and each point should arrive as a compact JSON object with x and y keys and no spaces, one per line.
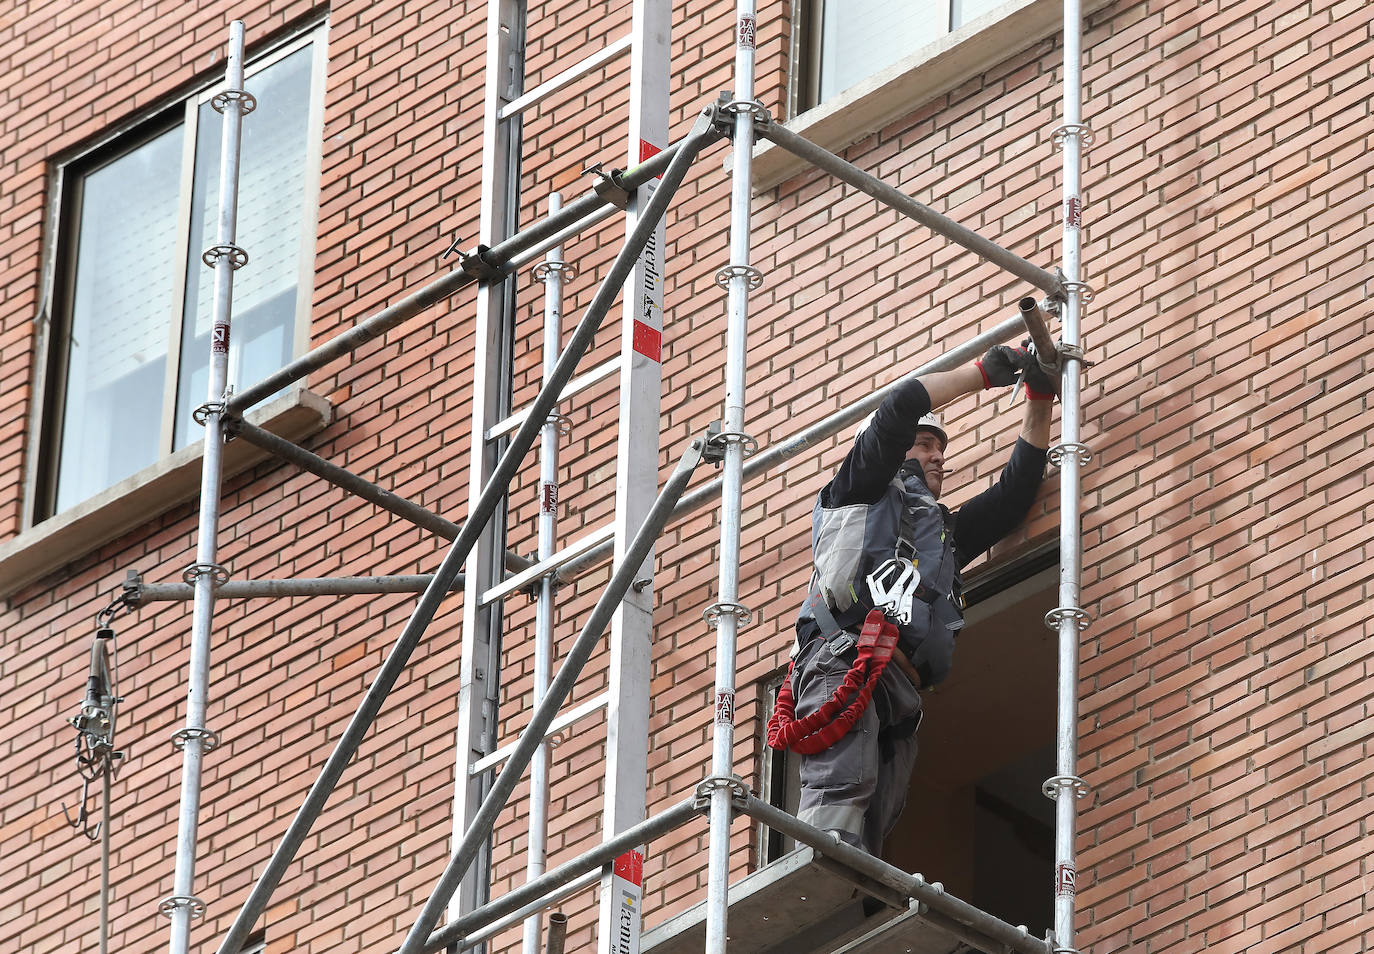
{"x":841,"y":42}
{"x":129,"y":351}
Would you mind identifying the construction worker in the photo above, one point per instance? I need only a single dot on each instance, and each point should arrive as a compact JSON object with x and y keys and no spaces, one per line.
{"x":881,"y":541}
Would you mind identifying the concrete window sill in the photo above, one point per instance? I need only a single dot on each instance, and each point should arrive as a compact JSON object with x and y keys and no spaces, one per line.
{"x":899,"y":89}
{"x":175,"y":479}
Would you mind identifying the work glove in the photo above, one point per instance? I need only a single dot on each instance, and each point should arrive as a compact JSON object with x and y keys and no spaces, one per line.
{"x":1002,"y":365}
{"x":1039,"y":386}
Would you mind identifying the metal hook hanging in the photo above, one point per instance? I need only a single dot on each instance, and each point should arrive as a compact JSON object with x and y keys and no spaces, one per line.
{"x":82,"y":821}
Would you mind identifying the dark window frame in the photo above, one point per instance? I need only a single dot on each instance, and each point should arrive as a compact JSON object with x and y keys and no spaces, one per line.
{"x":67,"y":182}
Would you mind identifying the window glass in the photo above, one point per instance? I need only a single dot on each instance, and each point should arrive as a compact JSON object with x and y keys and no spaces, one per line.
{"x":134,"y":301}
{"x":271,"y":191}
{"x":861,"y":37}
{"x":123,"y":298}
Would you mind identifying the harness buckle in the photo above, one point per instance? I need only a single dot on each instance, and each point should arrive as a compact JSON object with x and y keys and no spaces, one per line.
{"x":893,"y":585}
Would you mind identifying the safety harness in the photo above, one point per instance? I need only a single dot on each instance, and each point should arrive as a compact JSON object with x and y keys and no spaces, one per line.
{"x":829,"y":723}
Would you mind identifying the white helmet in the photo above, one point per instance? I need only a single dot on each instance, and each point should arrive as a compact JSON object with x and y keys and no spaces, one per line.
{"x":928,"y":422}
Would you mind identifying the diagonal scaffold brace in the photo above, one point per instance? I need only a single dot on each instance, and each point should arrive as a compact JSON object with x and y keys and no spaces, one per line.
{"x":418,"y":940}
{"x":702,"y":135}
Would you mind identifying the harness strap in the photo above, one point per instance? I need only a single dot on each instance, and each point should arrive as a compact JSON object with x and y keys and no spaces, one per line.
{"x":833,"y":720}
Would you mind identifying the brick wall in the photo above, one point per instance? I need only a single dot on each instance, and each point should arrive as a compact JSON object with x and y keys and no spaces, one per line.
{"x":1225,"y":714}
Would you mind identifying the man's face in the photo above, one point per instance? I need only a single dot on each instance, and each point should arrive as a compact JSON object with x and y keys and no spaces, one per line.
{"x":931,"y":455}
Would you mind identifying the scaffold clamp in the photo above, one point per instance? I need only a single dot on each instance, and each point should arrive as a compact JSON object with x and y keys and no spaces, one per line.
{"x":1080,"y":131}
{"x":1058,"y":783}
{"x":1054,"y":616}
{"x":739,"y":792}
{"x":1057,"y":453}
{"x":237,"y":256}
{"x":752,"y":275}
{"x":168,"y":905}
{"x":245,"y":101}
{"x":717,"y":440}
{"x":544,"y":269}
{"x":476,"y":264}
{"x":727,"y":107}
{"x":207,"y":738}
{"x":219,"y":575}
{"x":743,"y":614}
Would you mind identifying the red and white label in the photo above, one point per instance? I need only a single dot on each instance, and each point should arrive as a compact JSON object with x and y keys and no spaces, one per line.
{"x":1073,"y":212}
{"x":548,"y":500}
{"x":747,"y":32}
{"x":1065,"y":881}
{"x":648,"y":341}
{"x":627,"y":887}
{"x":725,"y":707}
{"x":219,"y":339}
{"x":647,"y":151}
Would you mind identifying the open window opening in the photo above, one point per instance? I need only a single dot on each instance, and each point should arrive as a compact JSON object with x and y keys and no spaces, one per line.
{"x":975,"y":817}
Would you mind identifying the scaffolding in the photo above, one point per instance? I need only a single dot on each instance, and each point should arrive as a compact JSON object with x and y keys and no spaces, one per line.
{"x":459,"y":913}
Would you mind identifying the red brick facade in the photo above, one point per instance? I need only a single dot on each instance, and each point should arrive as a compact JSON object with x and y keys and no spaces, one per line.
{"x":1225,"y":708}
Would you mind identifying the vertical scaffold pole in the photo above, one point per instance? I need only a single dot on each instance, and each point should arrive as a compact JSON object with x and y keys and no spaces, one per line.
{"x":205,"y":574}
{"x":552,"y":273}
{"x":1069,"y":618}
{"x":739,"y":277}
{"x":636,"y":487}
{"x":479,"y":663}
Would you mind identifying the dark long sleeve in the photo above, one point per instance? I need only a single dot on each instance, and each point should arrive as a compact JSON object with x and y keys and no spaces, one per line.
{"x":879,"y":450}
{"x":997,"y":511}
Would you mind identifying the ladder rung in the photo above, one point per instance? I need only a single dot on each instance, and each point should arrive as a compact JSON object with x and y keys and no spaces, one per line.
{"x":564,"y":719}
{"x":522,"y":579}
{"x":576,"y":386}
{"x":544,"y":89}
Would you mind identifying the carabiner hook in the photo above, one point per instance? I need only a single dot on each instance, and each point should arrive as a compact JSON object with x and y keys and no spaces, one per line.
{"x":82,"y":820}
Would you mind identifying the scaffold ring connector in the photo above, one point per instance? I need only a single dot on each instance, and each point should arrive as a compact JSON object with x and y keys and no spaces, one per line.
{"x":1080,"y":131}
{"x":1056,"y":453}
{"x":201,"y":415}
{"x":168,"y":905}
{"x":1085,"y":291}
{"x":237,"y":256}
{"x":246,"y":101}
{"x":749,"y":272}
{"x":219,"y":575}
{"x":1077,"y":613}
{"x":743,"y":614}
{"x":544,"y":269}
{"x":718,"y":441}
{"x":560,"y":421}
{"x":752,"y":106}
{"x":1058,"y":783}
{"x":208,"y":739}
{"x":731,"y":783}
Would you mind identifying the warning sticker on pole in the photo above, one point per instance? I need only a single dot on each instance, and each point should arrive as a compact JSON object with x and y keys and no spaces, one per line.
{"x":1073,"y":212}
{"x":219,"y":339}
{"x":747,"y":30}
{"x":549,"y":498}
{"x":725,"y":707}
{"x":648,"y":341}
{"x":647,"y":151}
{"x":1065,"y":881}
{"x":627,"y":888}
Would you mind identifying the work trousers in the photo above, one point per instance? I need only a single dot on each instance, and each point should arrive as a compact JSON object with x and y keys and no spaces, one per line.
{"x":857,"y":787}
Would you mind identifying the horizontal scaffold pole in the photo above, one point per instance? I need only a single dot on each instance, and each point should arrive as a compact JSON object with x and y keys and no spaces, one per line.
{"x":903,"y":203}
{"x":455,"y":932}
{"x":492,"y":493}
{"x":945,"y":911}
{"x":785,"y":450}
{"x":139,"y":594}
{"x":358,"y":486}
{"x":498,"y":258}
